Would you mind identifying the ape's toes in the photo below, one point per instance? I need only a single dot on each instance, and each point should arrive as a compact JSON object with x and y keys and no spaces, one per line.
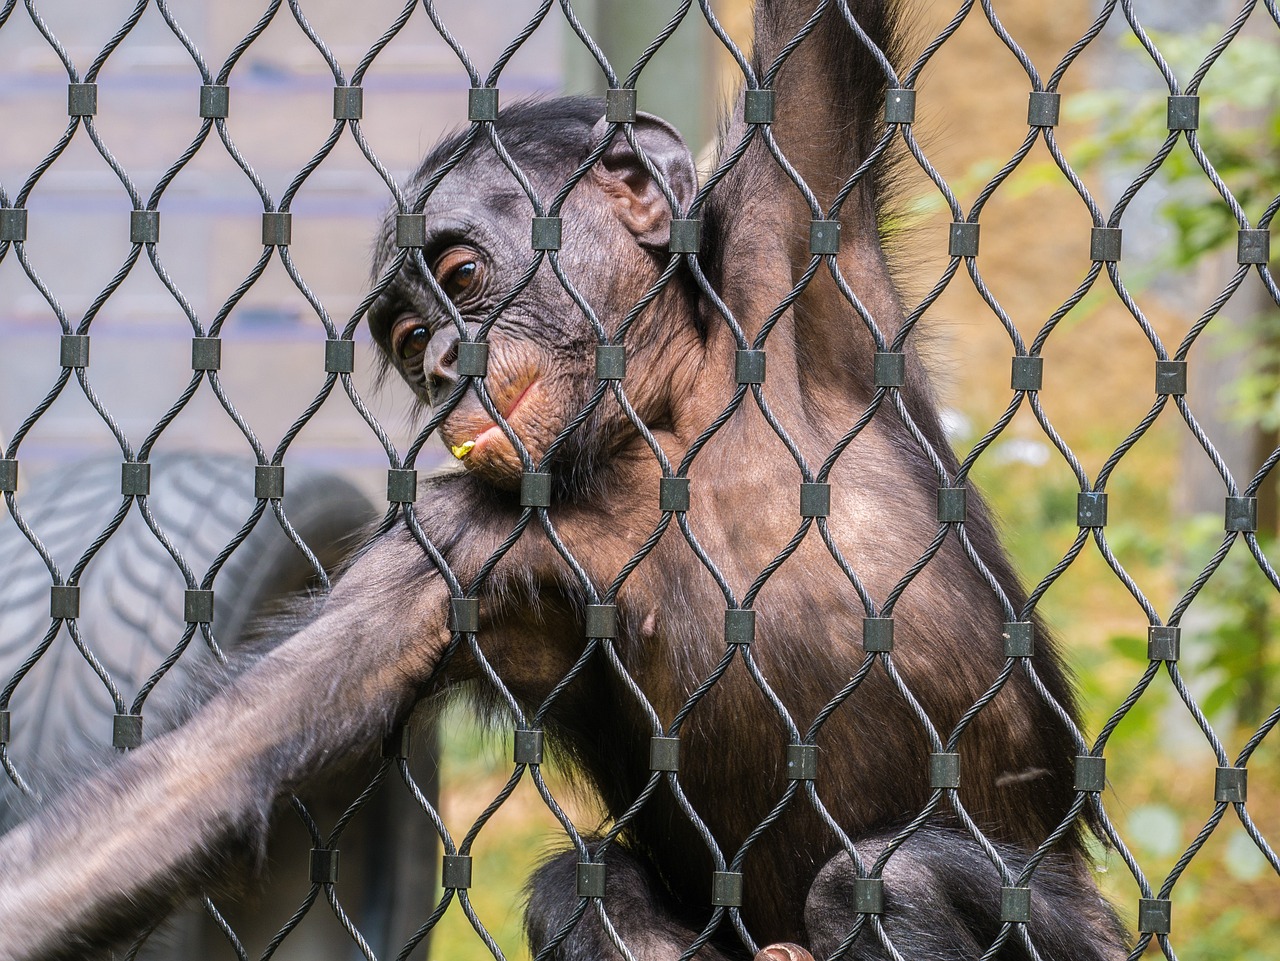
{"x":783,"y":951}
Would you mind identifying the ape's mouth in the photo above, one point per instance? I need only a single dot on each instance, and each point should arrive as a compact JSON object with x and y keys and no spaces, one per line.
{"x":469,"y":438}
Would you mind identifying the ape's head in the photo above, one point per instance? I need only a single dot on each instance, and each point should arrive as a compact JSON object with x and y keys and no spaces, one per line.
{"x":478,"y":270}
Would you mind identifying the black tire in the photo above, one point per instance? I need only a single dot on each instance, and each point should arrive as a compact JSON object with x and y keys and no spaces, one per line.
{"x":131,"y":617}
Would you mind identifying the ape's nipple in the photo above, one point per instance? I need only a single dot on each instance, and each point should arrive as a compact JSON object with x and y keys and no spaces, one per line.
{"x":460,"y":451}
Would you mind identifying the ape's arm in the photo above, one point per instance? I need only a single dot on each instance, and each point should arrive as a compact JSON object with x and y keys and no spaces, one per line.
{"x":827,"y":94}
{"x":829,"y":91}
{"x":120,"y":848}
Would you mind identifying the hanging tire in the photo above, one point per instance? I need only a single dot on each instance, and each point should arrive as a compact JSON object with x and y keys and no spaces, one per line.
{"x":131,"y":616}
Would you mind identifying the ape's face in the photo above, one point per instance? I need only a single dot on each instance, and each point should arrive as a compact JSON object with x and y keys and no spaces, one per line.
{"x":544,"y":321}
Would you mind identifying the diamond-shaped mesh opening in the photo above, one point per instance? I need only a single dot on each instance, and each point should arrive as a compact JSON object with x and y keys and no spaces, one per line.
{"x":189,"y":196}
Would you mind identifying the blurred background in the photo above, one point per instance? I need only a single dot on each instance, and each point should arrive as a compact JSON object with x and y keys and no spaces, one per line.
{"x":1179,"y":257}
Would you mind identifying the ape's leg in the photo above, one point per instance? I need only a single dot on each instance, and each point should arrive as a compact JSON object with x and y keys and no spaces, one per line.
{"x":942,"y":900}
{"x":638,"y":908}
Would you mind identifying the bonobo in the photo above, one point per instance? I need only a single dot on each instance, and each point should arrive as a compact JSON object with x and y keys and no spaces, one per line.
{"x":734,"y":828}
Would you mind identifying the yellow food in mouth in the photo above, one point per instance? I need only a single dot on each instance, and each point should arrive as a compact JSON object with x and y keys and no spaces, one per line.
{"x":460,"y":451}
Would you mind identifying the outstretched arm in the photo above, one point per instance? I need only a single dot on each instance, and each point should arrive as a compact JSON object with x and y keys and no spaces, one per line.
{"x":133,"y":841}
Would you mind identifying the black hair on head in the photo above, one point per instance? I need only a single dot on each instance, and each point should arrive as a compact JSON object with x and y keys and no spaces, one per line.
{"x":541,"y":134}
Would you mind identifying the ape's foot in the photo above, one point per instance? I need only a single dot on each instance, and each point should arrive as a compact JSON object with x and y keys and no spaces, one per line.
{"x":783,"y":951}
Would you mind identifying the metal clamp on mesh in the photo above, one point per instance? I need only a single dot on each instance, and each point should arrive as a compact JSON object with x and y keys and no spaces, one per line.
{"x":1252,"y":247}
{"x":602,"y":621}
{"x":339,"y":356}
{"x":962,"y":240}
{"x":739,"y":626}
{"x":758,"y":106}
{"x":673,"y":494}
{"x":1104,"y":244}
{"x":464,"y":615}
{"x":1043,"y":108}
{"x":277,"y":228}
{"x":1028,"y":373}
{"x":815,"y":500}
{"x":126,"y":731}
{"x":802,"y":762}
{"x":268,"y":481}
{"x":889,"y":369}
{"x":8,"y":475}
{"x":686,"y":237}
{"x":348,"y":103}
{"x":749,"y":366}
{"x":135,"y":479}
{"x":398,"y":745}
{"x":953,"y":504}
{"x":482,"y":104}
{"x":73,"y":350}
{"x":324,"y":865}
{"x":82,"y":99}
{"x":473,"y":358}
{"x":1019,"y":638}
{"x":1091,"y":509}
{"x":726,"y":889}
{"x":590,"y":879}
{"x":620,"y":105}
{"x":144,"y":226}
{"x":611,"y":362}
{"x":877,"y":635}
{"x":824,"y":237}
{"x":1183,"y":112}
{"x":197,"y":606}
{"x":1242,"y":514}
{"x":1171,"y":377}
{"x":402,"y":485}
{"x":1155,"y":915}
{"x":13,"y":224}
{"x":1231,"y":785}
{"x":215,"y":100}
{"x":206,"y":353}
{"x":64,"y":601}
{"x":6,"y":726}
{"x":411,"y":230}
{"x":1015,"y":905}
{"x":535,"y":489}
{"x":1091,"y":774}
{"x":944,"y":771}
{"x":868,"y":895}
{"x":546,"y":233}
{"x":455,"y":874}
{"x":528,"y":746}
{"x":664,"y":753}
{"x":1164,"y":643}
{"x":899,"y":105}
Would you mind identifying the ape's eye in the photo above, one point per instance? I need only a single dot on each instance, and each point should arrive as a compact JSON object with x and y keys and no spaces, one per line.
{"x":409,"y":338}
{"x":458,"y":271}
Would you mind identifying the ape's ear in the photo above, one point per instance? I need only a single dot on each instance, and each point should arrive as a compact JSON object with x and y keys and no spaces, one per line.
{"x":633,"y":194}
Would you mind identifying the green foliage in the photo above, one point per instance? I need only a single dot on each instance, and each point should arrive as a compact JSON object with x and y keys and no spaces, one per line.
{"x":1224,"y":903}
{"x":1240,"y":138}
{"x":1239,"y":134}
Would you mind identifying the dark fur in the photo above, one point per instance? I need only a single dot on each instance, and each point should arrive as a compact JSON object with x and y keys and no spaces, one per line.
{"x":942,"y":901}
{"x":380,"y":643}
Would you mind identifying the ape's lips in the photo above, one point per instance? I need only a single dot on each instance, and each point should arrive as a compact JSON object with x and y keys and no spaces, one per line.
{"x":489,"y":432}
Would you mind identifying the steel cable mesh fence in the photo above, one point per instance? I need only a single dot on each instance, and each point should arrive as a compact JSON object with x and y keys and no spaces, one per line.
{"x":744,"y":596}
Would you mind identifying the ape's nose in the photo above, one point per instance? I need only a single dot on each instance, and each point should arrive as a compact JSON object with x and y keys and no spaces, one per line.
{"x":440,"y":362}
